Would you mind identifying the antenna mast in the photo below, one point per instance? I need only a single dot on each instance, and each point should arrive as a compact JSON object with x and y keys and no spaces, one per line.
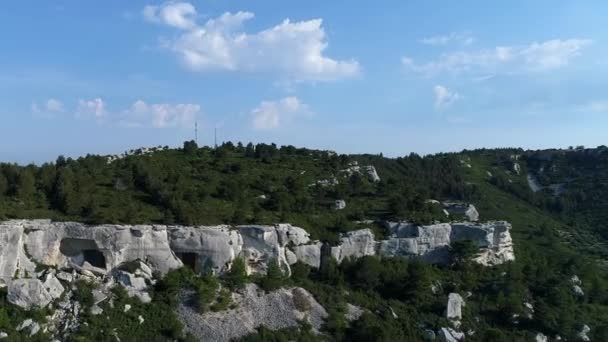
{"x":215,"y":138}
{"x":196,"y":132}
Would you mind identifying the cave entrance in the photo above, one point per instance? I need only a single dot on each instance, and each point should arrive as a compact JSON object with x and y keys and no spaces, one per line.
{"x":81,"y":251}
{"x":94,"y":257}
{"x":189,"y":259}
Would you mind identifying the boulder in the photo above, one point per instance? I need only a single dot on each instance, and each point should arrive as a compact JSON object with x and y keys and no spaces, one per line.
{"x":29,"y":325}
{"x":96,"y":310}
{"x":583,"y":334}
{"x":339,"y":204}
{"x":540,"y":338}
{"x":450,"y":335}
{"x":462,"y":209}
{"x":454,"y":307}
{"x":27,"y":293}
{"x":3,"y":335}
{"x":135,"y":286}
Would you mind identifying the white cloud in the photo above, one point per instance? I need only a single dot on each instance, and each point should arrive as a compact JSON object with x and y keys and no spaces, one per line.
{"x":463,"y":38}
{"x":91,"y":108}
{"x":444,"y":97}
{"x":53,"y":105}
{"x":161,"y":115}
{"x":598,"y":106}
{"x":272,"y":114}
{"x":177,"y":14}
{"x":548,"y":55}
{"x":292,"y":49}
{"x":50,"y":107}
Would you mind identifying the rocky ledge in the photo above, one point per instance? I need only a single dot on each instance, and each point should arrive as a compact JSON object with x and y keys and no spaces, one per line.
{"x":100,"y":249}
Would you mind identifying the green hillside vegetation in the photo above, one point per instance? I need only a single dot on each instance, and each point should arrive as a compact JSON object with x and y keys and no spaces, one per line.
{"x":195,"y":185}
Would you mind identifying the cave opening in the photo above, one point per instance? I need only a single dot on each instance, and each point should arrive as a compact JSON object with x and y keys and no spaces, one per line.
{"x":94,"y":257}
{"x":189,"y":259}
{"x":81,"y":251}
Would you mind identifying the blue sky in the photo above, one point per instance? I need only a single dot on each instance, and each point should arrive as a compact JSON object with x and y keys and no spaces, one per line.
{"x":396,"y":77}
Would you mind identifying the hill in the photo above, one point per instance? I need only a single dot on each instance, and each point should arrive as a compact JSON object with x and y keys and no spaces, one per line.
{"x":559,"y":232}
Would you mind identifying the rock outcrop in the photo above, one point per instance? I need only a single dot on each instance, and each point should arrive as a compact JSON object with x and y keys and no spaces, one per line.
{"x":432,"y":242}
{"x":367,"y":170}
{"x":279,"y":309}
{"x":462,"y":209}
{"x":102,"y":249}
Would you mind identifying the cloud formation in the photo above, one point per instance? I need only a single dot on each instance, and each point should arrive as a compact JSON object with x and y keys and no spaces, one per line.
{"x":535,"y":57}
{"x":292,"y":49}
{"x":272,"y":114}
{"x":161,"y":115}
{"x":50,"y":107}
{"x":139,"y":114}
{"x":94,"y":108}
{"x":444,"y":97}
{"x":464,"y":38}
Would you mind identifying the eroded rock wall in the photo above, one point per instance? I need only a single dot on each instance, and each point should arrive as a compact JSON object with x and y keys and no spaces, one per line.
{"x":102,"y":248}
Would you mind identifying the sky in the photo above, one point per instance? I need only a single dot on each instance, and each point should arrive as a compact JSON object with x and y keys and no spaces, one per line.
{"x":390,"y":77}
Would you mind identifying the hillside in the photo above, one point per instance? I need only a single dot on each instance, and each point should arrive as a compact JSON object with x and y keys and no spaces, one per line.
{"x":558,"y":233}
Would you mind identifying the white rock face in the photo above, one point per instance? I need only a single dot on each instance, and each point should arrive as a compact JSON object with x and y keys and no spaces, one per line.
{"x":275,"y":310}
{"x":92,"y":251}
{"x":69,"y":244}
{"x":454,"y":308}
{"x":309,"y":254}
{"x":13,"y":260}
{"x":493,"y":238}
{"x":213,"y":247}
{"x":355,"y":244}
{"x":432,"y":242}
{"x":367,"y":170}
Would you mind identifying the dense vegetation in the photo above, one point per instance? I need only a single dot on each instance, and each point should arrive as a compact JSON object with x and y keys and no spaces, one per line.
{"x":556,"y":236}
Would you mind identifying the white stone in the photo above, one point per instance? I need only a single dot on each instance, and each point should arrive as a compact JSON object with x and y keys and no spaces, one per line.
{"x":584,"y":332}
{"x":450,"y":335}
{"x":458,"y":208}
{"x":25,"y":324}
{"x":96,"y":310}
{"x":65,"y":276}
{"x":339,"y":204}
{"x":540,"y":338}
{"x":127,"y":307}
{"x":141,"y":319}
{"x":3,"y":335}
{"x":516,"y":168}
{"x":454,"y":307}
{"x":27,"y":293}
{"x":577,"y":290}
